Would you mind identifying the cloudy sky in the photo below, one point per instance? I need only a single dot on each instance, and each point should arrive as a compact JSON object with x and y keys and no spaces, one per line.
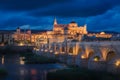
{"x":99,"y":15}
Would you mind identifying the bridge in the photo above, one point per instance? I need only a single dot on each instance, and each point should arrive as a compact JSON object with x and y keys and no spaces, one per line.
{"x":104,"y":55}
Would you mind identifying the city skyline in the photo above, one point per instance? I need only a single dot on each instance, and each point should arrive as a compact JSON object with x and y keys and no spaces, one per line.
{"x":39,"y":14}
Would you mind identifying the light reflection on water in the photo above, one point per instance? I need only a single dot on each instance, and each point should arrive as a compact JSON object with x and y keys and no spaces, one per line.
{"x":23,"y":71}
{"x":18,"y":70}
{"x":22,"y":62}
{"x":33,"y":72}
{"x":3,"y":59}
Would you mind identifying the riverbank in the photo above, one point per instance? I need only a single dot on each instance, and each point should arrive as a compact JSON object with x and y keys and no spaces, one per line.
{"x":49,"y":69}
{"x":25,"y":54}
{"x":32,"y":58}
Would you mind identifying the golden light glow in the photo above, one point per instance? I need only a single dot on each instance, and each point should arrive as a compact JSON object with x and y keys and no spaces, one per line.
{"x":102,"y":33}
{"x":21,"y":44}
{"x":22,"y":62}
{"x":96,"y":58}
{"x":83,"y":57}
{"x":56,"y":53}
{"x":2,"y":59}
{"x":117,"y":63}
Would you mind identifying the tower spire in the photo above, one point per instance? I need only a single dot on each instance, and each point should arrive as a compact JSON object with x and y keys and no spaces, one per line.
{"x":85,"y":29}
{"x":55,"y":21}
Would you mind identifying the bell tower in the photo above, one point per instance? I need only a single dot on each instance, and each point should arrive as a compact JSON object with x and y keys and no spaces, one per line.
{"x":55,"y":21}
{"x":85,"y":29}
{"x":18,"y":33}
{"x":18,"y":30}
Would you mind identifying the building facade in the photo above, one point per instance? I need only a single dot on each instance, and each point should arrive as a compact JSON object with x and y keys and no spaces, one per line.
{"x":23,"y":36}
{"x":61,"y":33}
{"x":6,"y":38}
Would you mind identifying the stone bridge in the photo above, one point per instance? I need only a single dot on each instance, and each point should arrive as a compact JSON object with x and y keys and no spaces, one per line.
{"x":103,"y":55}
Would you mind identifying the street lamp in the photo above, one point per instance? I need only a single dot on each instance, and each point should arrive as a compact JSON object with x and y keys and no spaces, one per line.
{"x":82,"y":56}
{"x":21,"y":44}
{"x":96,"y":58}
{"x":117,"y":63}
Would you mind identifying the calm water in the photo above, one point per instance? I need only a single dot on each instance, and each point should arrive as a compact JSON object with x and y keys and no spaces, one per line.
{"x":17,"y":70}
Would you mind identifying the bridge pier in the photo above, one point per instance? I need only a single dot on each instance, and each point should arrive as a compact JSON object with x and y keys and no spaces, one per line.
{"x":97,"y":65}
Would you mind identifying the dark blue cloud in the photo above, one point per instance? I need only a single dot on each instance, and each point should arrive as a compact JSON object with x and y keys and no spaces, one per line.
{"x":105,"y":22}
{"x":100,"y":15}
{"x":21,"y":5}
{"x":78,"y":8}
{"x":14,"y":22}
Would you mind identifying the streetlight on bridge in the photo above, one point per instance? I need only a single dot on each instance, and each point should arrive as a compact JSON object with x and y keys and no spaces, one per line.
{"x":117,"y":63}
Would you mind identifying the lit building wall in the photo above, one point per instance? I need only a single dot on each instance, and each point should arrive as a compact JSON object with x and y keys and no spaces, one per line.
{"x":101,"y":35}
{"x":6,"y":38}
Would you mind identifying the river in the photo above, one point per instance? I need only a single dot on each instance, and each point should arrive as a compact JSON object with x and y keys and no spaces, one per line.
{"x":17,"y":70}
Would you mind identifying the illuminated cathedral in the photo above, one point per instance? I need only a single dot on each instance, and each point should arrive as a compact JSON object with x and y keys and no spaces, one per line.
{"x":59,"y":34}
{"x":70,"y":29}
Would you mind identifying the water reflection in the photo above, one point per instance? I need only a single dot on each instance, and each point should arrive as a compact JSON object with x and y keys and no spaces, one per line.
{"x":3,"y":59}
{"x":22,"y":62}
{"x":18,"y":70}
{"x":23,"y":71}
{"x":33,"y":72}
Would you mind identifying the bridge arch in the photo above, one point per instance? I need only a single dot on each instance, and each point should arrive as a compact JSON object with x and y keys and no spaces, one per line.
{"x":91,"y":53}
{"x":110,"y":55}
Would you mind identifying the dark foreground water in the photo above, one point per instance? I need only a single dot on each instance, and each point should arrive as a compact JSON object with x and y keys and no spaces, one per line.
{"x":17,"y":70}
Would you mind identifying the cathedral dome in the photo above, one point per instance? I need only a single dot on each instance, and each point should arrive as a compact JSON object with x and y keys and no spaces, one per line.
{"x":73,"y":22}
